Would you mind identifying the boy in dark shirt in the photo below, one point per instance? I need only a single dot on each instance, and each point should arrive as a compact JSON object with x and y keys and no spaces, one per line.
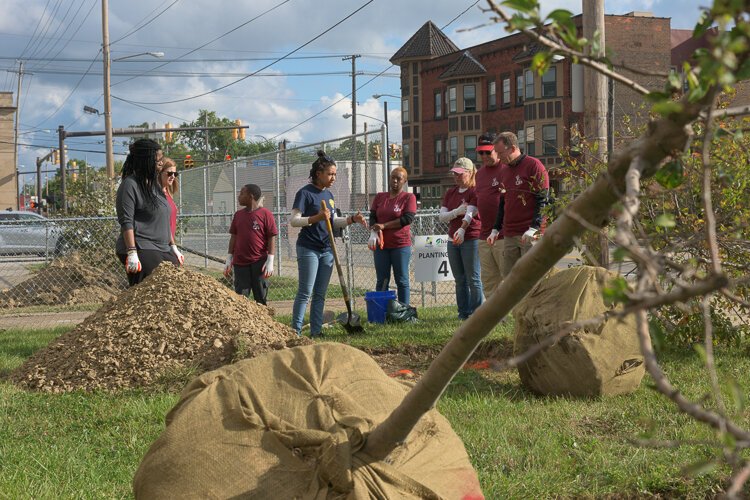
{"x":251,"y":245}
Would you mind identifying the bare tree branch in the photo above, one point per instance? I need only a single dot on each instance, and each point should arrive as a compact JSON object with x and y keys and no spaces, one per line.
{"x":665,"y":387}
{"x":582,"y":58}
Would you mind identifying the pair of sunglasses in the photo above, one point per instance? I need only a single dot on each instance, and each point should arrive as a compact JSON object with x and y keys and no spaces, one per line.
{"x":172,"y":174}
{"x":482,"y":153}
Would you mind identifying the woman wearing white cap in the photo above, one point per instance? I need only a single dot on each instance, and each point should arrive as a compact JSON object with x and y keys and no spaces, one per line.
{"x":459,"y":210}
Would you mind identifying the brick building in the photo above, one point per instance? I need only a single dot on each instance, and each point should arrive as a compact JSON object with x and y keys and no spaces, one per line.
{"x":450,"y":96}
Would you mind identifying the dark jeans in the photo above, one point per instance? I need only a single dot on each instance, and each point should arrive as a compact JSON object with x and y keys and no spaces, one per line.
{"x":398,"y":259}
{"x":464,"y":261}
{"x":150,"y":260}
{"x":250,"y":277}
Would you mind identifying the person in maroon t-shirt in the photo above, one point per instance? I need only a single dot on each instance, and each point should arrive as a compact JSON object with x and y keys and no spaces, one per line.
{"x":252,"y":245}
{"x":459,"y":209}
{"x":391,"y":214}
{"x":525,"y":189}
{"x":488,"y":196}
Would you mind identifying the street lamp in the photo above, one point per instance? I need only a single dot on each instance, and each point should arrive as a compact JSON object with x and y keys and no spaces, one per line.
{"x":349,"y":115}
{"x":378,"y":96}
{"x":91,"y":111}
{"x":152,"y":54}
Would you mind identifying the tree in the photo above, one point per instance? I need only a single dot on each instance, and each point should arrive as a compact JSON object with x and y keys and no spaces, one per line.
{"x":679,"y":122}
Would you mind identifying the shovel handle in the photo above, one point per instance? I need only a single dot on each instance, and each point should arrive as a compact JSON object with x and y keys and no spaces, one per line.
{"x":344,"y":290}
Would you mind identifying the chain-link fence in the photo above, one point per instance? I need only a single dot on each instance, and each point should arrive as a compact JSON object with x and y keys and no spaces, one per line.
{"x":57,"y":271}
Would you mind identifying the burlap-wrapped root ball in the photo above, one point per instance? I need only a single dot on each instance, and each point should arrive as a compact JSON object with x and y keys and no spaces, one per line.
{"x":291,"y":424}
{"x":601,"y":360}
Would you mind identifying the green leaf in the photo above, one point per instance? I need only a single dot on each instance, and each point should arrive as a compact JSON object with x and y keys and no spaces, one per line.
{"x":665,"y":108}
{"x":704,"y":22}
{"x":526,"y":6}
{"x":615,"y":291}
{"x":657,"y":96}
{"x":665,"y":220}
{"x":701,"y":351}
{"x":675,"y":80}
{"x":671,"y":175}
{"x":699,"y":468}
{"x":541,"y":61}
{"x":738,"y":396}
{"x":619,"y":254}
{"x":743,"y":73}
{"x":658,"y":335}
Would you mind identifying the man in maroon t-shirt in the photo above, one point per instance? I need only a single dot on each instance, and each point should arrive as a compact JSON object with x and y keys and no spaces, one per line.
{"x":488,"y":197}
{"x":524,"y":186}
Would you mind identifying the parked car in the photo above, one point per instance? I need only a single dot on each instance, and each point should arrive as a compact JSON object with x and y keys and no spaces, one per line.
{"x":28,"y":233}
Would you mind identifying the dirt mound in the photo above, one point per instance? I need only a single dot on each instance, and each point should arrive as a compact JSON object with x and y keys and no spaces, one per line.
{"x":65,"y":281}
{"x":176,"y":321}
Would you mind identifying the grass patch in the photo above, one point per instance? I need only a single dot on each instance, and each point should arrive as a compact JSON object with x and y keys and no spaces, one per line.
{"x":88,"y":445}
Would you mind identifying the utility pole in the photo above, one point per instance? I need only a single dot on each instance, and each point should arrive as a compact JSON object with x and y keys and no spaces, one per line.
{"x":107,"y":99}
{"x":15,"y":133}
{"x":205,"y":116}
{"x":354,"y":176}
{"x":595,"y":92}
{"x":63,"y":174}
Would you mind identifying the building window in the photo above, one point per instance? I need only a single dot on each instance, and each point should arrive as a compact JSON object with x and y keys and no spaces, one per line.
{"x":470,"y":147}
{"x":519,"y":89}
{"x":470,"y":98}
{"x":405,"y":111}
{"x":451,"y":100}
{"x":439,"y":158}
{"x":491,"y":95}
{"x":549,"y":139}
{"x":453,"y":149}
{"x":416,"y":155}
{"x":530,"y":146}
{"x":521,"y":140}
{"x":438,"y":104}
{"x":549,"y":83}
{"x":415,"y":108}
{"x":405,"y":154}
{"x":528,"y":78}
{"x":506,"y":91}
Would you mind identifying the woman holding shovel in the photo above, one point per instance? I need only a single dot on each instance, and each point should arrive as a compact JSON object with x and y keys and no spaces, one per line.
{"x":314,"y":253}
{"x":390,"y":236}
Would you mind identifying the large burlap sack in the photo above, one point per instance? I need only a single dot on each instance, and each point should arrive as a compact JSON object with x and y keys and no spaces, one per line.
{"x":291,"y":424}
{"x":602,"y":360}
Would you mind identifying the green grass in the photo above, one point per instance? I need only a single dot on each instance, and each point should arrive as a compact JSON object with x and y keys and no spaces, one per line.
{"x":522,"y":445}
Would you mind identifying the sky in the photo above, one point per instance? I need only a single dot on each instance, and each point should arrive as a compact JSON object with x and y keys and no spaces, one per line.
{"x":208,"y":44}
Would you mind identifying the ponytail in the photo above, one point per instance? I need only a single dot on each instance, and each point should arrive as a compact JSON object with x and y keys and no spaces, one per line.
{"x":320,"y":164}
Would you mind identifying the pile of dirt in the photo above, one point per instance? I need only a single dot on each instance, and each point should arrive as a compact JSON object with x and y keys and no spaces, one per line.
{"x":65,"y":281}
{"x":175,"y":321}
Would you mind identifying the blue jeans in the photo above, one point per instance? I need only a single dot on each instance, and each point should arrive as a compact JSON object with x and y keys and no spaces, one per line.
{"x":314,"y":270}
{"x":464,"y":261}
{"x":398,"y":258}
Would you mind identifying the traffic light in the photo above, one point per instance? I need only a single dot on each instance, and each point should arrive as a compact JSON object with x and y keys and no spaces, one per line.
{"x":228,"y":157}
{"x":73,"y":169}
{"x":393,"y":150}
{"x":168,"y":134}
{"x":376,"y":151}
{"x":240,"y":131}
{"x":235,"y":134}
{"x":56,"y":157}
{"x":188,"y":163}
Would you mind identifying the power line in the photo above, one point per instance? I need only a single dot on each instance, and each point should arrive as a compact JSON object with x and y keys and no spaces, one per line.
{"x":200,"y":60}
{"x":149,"y":109}
{"x":211,"y":41}
{"x":77,"y":30}
{"x":363,"y":85}
{"x":42,"y":146}
{"x":264,"y":67}
{"x":182,"y":74}
{"x":151,"y":20}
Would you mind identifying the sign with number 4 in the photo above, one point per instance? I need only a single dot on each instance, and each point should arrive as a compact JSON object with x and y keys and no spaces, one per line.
{"x":431,"y":262}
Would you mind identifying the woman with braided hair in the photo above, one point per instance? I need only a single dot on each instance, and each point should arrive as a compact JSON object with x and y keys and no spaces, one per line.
{"x":143,"y":213}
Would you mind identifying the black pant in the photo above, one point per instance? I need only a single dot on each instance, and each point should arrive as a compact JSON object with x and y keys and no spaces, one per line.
{"x":247,"y":278}
{"x":150,"y":260}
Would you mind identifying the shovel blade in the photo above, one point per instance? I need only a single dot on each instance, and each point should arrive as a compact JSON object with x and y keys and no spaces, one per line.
{"x":351,"y":323}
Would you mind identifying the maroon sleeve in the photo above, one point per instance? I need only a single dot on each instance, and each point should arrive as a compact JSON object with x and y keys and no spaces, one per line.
{"x":411,"y":204}
{"x":271,"y":224}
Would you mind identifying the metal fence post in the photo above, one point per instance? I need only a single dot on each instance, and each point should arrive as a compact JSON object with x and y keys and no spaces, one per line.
{"x":205,"y":217}
{"x":278,"y":214}
{"x":179,"y":195}
{"x":234,"y":186}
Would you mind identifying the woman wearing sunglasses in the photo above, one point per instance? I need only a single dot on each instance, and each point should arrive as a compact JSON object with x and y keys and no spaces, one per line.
{"x":168,"y":180}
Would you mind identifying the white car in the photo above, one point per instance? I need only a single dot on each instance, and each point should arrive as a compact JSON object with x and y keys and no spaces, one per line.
{"x":27,"y":233}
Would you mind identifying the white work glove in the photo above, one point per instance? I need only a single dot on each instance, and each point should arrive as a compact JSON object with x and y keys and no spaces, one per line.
{"x":268,"y":267}
{"x":178,"y":254}
{"x":492,"y":238}
{"x":133,"y":263}
{"x":376,"y":239}
{"x":458,"y":212}
{"x":228,"y":265}
{"x":529,"y":236}
{"x":458,"y":236}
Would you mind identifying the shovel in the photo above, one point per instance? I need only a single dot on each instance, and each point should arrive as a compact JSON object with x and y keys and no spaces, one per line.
{"x":349,"y":320}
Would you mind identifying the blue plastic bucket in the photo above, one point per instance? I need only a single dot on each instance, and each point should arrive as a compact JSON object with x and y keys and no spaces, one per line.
{"x":377,"y":305}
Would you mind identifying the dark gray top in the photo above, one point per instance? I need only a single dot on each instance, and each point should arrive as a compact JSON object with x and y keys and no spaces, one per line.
{"x":150,"y":224}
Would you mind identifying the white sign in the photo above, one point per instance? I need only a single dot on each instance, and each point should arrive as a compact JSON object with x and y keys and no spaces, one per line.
{"x":431,"y":263}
